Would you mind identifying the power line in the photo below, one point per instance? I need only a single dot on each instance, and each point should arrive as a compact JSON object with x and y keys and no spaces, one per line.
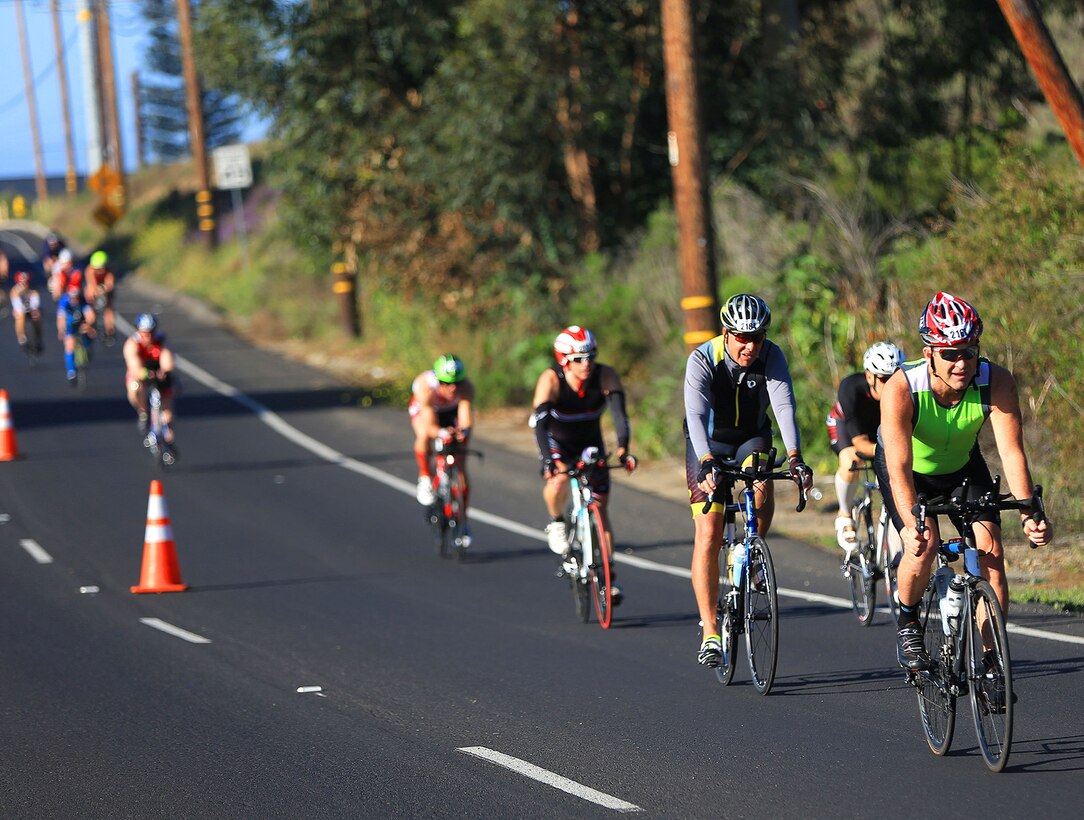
{"x":42,"y":75}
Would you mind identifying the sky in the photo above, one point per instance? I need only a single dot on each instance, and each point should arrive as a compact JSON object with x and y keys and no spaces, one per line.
{"x":16,"y":144}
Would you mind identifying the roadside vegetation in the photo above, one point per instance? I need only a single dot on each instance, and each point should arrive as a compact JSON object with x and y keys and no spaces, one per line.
{"x":880,"y":158}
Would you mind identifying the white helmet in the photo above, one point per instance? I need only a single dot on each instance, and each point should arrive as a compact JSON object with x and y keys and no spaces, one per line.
{"x":883,"y":359}
{"x":745,"y":313}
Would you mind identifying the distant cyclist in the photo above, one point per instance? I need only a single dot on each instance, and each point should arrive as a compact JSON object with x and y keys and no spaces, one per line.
{"x":26,"y":303}
{"x":852,"y":428}
{"x":73,"y":326}
{"x":569,"y":400}
{"x":730,"y":382}
{"x":931,"y":414}
{"x":64,"y":275}
{"x":148,"y":358}
{"x":98,"y":288}
{"x":50,"y":251}
{"x":441,"y":402}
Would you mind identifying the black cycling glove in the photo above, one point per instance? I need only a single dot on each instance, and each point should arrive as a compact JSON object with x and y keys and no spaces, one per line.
{"x":801,"y":472}
{"x":707,"y":467}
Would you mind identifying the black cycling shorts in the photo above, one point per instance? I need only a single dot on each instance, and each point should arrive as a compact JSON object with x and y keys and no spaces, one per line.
{"x":730,"y":452}
{"x":944,"y":486}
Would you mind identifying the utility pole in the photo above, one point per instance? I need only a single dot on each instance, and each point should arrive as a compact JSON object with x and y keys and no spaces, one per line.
{"x":88,"y":51}
{"x":70,"y":183}
{"x":31,"y":103}
{"x":205,"y":208}
{"x":109,"y":96}
{"x":1049,"y":69}
{"x":691,"y":201}
{"x":137,"y":107}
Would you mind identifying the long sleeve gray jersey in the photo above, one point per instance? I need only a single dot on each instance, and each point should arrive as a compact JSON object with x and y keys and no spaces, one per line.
{"x":727,"y":405}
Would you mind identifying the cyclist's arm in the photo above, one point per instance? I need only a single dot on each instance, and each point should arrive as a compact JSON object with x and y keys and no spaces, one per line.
{"x":698,"y":379}
{"x":897,"y":412}
{"x":545,"y":394}
{"x":465,"y":412}
{"x":1008,"y":427}
{"x":615,"y":400}
{"x":781,"y":396}
{"x":132,"y":360}
{"x":165,"y":361}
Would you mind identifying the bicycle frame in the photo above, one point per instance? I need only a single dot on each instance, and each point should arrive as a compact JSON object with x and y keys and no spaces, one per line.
{"x":588,"y":567}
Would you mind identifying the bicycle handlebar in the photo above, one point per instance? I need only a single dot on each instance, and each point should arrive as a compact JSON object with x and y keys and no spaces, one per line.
{"x":755,"y":473}
{"x":968,"y":507}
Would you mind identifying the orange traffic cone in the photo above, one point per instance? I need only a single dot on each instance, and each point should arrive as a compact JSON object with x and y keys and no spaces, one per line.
{"x":161,"y":572}
{"x":8,"y":449}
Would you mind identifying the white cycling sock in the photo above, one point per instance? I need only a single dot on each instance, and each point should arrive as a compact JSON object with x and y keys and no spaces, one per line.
{"x":846,"y":491}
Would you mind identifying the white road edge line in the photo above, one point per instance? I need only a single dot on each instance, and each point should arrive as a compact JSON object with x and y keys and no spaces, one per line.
{"x":318,"y":448}
{"x":175,"y":631}
{"x":37,"y":552}
{"x":550,"y":779}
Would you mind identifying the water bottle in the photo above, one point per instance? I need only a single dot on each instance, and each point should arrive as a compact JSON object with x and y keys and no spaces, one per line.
{"x":942,"y":579}
{"x":953,"y":604}
{"x":737,"y":562}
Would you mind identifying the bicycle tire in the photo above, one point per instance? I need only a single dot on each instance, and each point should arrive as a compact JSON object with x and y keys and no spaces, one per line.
{"x":990,"y":681}
{"x":82,"y":359}
{"x":936,"y":701}
{"x":884,"y":561}
{"x":860,"y":566}
{"x":761,"y":615}
{"x":598,"y":572}
{"x":581,"y":588}
{"x":447,"y":514}
{"x":458,"y":487}
{"x":728,"y":619}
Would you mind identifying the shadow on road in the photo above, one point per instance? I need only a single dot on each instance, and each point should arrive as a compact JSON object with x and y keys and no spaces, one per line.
{"x":846,"y":682}
{"x":284,"y":582}
{"x":1050,"y":754}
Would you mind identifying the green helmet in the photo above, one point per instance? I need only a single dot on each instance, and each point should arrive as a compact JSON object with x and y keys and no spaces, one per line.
{"x":98,"y":259}
{"x":449,"y":369}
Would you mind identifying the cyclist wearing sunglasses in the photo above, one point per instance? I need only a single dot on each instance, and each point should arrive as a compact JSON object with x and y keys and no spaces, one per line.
{"x":931,"y":415}
{"x":852,"y":428}
{"x":569,"y":401}
{"x":730,"y":381}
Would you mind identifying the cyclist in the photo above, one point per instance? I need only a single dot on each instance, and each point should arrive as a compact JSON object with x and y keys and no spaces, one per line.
{"x":73,"y":326}
{"x":25,"y":300}
{"x":931,"y":414}
{"x":441,"y":404}
{"x":729,"y":383}
{"x":99,"y":291}
{"x":64,"y":274}
{"x":50,"y":250}
{"x":569,"y":400}
{"x":852,"y":428}
{"x":147,"y":357}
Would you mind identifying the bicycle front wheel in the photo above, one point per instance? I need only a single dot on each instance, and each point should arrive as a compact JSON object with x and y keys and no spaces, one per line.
{"x":936,"y":698}
{"x":860,"y":568}
{"x":729,"y":619}
{"x":761,"y":616}
{"x":989,"y":675}
{"x":599,"y":571}
{"x":581,"y":585}
{"x":457,"y":519}
{"x":888,"y":567}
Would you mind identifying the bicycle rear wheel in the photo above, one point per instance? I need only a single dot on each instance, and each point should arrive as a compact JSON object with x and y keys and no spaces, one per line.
{"x":761,"y":616}
{"x":936,"y":701}
{"x":989,"y":675}
{"x":860,"y":567}
{"x":599,"y":571}
{"x":581,"y":586}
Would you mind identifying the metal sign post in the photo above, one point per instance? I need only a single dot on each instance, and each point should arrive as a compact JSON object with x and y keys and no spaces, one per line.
{"x":233,"y":171}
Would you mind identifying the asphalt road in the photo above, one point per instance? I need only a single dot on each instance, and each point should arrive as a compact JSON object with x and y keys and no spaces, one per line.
{"x":310,"y":565}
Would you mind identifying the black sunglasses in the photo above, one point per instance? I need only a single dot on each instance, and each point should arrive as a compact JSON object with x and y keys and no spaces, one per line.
{"x":588,"y":357}
{"x":746,"y":338}
{"x":954,"y":354}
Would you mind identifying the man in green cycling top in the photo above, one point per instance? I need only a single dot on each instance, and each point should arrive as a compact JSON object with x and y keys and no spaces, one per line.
{"x":931,"y":412}
{"x":729,"y":383}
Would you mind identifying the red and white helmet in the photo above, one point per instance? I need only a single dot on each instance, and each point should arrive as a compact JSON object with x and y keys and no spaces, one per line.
{"x":948,"y":320}
{"x":574,"y":341}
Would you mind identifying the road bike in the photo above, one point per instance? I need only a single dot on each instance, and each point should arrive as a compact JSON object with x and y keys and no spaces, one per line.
{"x":82,"y":357}
{"x":163,"y":451}
{"x":965,"y":633}
{"x":587,"y":563}
{"x":872,"y":558}
{"x":748,"y":594}
{"x":448,"y":512}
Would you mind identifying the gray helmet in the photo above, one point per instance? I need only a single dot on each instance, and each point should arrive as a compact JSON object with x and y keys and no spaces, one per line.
{"x":745,"y":313}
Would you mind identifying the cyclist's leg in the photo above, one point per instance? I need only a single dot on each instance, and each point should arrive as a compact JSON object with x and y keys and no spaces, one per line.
{"x":846,"y":483}
{"x":166,"y":393}
{"x":709,"y":530}
{"x":423,"y":421}
{"x":69,"y":354}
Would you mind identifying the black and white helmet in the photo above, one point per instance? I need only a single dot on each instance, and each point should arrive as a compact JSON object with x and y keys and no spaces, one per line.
{"x":883,"y":359}
{"x":745,"y":313}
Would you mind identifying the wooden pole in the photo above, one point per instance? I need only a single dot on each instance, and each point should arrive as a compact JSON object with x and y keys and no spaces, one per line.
{"x":1049,"y":69}
{"x":205,"y":209}
{"x":70,"y":178}
{"x":31,"y":103}
{"x":691,"y":201}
